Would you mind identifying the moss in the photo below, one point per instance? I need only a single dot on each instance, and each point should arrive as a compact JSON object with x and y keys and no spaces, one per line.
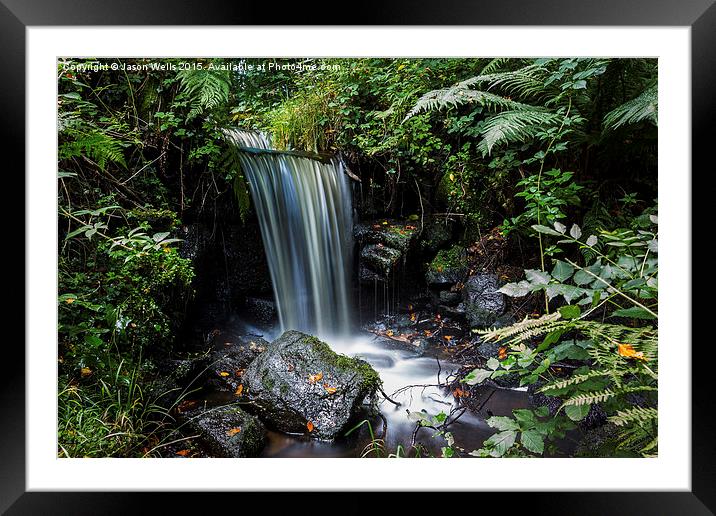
{"x":267,"y":381}
{"x":370,"y":380}
{"x":449,"y":259}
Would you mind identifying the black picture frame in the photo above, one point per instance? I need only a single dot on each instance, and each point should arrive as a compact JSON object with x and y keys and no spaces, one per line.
{"x":700,"y":15}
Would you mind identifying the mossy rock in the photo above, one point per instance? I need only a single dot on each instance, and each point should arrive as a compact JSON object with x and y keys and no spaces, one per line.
{"x":228,"y":431}
{"x":300,"y":380}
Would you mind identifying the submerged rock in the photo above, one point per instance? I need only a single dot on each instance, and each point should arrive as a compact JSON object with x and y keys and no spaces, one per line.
{"x":483,"y":303}
{"x":300,"y":385}
{"x":227,"y":431}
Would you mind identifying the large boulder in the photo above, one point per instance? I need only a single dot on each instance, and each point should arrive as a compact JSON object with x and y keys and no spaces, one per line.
{"x":227,"y":431}
{"x":228,"y":362}
{"x":483,"y":303}
{"x":300,"y":385}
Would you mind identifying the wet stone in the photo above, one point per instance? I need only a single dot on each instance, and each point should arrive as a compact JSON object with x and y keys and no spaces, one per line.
{"x":228,"y":431}
{"x":299,"y":385}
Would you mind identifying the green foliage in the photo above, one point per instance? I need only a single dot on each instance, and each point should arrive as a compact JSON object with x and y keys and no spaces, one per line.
{"x":617,"y":363}
{"x":643,"y":107}
{"x":206,"y":88}
{"x":523,"y":434}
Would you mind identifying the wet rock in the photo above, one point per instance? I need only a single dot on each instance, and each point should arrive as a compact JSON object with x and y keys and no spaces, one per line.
{"x":436,"y":234}
{"x":261,"y":311}
{"x":175,"y":377}
{"x":415,"y":347}
{"x":538,"y":399}
{"x":228,"y":362}
{"x":292,"y":383}
{"x":450,"y":298}
{"x":227,"y":431}
{"x":445,"y":278}
{"x":599,"y":442}
{"x":380,"y":258}
{"x":483,"y":303}
{"x":383,"y":246}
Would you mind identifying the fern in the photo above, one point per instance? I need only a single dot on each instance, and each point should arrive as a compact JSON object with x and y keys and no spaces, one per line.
{"x":206,"y":89}
{"x":636,"y":415}
{"x":525,"y":329}
{"x":231,"y":163}
{"x":514,"y":126}
{"x":643,"y":107}
{"x":461,"y":94}
{"x":95,"y":145}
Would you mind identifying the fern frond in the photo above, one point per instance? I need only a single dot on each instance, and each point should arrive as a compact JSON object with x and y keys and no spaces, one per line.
{"x":95,"y":145}
{"x":643,"y":107}
{"x":461,"y":94}
{"x":514,"y":126}
{"x":523,"y":330}
{"x":206,"y":89}
{"x":603,"y":395}
{"x":526,"y":82}
{"x":636,"y":415}
{"x":573,"y":380}
{"x":231,"y":163}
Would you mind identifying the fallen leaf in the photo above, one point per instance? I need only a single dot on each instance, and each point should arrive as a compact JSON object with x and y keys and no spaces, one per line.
{"x":413,"y":317}
{"x":329,"y":389}
{"x":628,"y":351}
{"x":502,"y":353}
{"x":186,"y":405}
{"x":315,"y":378}
{"x":69,"y":300}
{"x":85,"y":372}
{"x":447,"y":337}
{"x":183,"y":453}
{"x":310,"y":426}
{"x":233,"y":431}
{"x":239,"y":372}
{"x":459,"y":393}
{"x":239,"y":390}
{"x":389,"y":333}
{"x":223,"y":373}
{"x":428,"y":333}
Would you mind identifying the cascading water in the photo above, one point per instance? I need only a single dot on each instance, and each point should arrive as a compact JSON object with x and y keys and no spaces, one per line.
{"x":304,"y":211}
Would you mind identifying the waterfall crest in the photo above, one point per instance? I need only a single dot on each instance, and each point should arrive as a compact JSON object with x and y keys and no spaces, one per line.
{"x":304,"y":211}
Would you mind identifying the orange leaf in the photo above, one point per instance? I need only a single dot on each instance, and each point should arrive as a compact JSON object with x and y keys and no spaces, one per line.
{"x":183,"y":453}
{"x":69,"y":300}
{"x":329,"y":389}
{"x":628,"y":351}
{"x":389,"y":333}
{"x":233,"y":431}
{"x":239,"y":390}
{"x":502,"y":353}
{"x":413,"y":317}
{"x":315,"y":378}
{"x":187,"y":405}
{"x":223,"y":373}
{"x":310,"y":426}
{"x":447,"y":337}
{"x":85,"y":372}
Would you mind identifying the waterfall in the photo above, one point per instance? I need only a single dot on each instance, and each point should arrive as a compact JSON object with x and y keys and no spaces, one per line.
{"x":304,"y":211}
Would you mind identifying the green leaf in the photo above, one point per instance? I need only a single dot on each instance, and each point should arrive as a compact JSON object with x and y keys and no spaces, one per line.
{"x":560,"y":227}
{"x":537,"y":277}
{"x":634,"y":312}
{"x":516,"y":289}
{"x":575,"y":232}
{"x":577,"y":412}
{"x":570,"y":311}
{"x":533,"y":441}
{"x":503,"y":423}
{"x":562,"y":271}
{"x":94,"y":341}
{"x":582,"y":277}
{"x":158,"y":237}
{"x":525,"y":416}
{"x":477,"y":376}
{"x":501,"y":442}
{"x":544,"y":229}
{"x":493,"y":363}
{"x":592,"y":241}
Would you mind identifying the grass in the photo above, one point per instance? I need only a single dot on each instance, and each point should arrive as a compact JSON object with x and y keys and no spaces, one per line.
{"x":112,"y":417}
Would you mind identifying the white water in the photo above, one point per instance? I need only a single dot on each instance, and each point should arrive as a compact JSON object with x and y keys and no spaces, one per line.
{"x":304,"y":210}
